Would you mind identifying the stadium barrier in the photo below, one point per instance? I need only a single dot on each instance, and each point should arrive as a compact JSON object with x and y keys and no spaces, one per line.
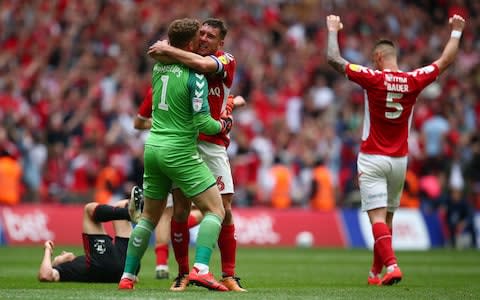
{"x":33,"y":224}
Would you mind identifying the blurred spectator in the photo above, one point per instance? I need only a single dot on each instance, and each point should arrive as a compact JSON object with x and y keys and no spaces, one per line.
{"x":278,"y":186}
{"x":468,"y":57}
{"x":34,"y":158}
{"x":460,"y":221}
{"x":431,"y":192}
{"x":348,"y":190}
{"x":10,"y":171}
{"x":10,"y":179}
{"x":321,"y":93}
{"x":245,"y":165}
{"x":323,"y":193}
{"x":82,"y":172}
{"x":107,"y":185}
{"x":459,"y":212}
{"x":434,"y":132}
{"x":410,"y":198}
{"x":472,"y":172}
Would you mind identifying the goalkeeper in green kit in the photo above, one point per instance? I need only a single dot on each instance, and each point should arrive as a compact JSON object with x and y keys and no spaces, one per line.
{"x":180,"y":112}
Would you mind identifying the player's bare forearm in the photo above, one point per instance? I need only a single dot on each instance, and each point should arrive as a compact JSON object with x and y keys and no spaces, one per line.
{"x":202,"y":64}
{"x":192,"y":60}
{"x":451,"y":48}
{"x":46,"y":272}
{"x":448,"y":55}
{"x":333,"y":53}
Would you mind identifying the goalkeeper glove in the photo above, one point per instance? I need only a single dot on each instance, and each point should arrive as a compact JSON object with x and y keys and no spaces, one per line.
{"x":226,"y":122}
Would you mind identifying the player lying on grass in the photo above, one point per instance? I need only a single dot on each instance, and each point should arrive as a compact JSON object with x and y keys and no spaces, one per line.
{"x":104,"y":256}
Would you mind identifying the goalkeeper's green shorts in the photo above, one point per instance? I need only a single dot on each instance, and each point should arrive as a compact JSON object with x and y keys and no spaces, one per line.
{"x":184,"y":167}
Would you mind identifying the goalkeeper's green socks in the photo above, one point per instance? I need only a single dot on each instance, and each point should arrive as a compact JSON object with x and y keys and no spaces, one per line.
{"x":137,"y":245}
{"x":206,"y":240}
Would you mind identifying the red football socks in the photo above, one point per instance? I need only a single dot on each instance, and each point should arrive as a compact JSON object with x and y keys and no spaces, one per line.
{"x":383,"y":243}
{"x":180,"y":236}
{"x":161,"y":253}
{"x":228,"y":249}
{"x":377,"y":265}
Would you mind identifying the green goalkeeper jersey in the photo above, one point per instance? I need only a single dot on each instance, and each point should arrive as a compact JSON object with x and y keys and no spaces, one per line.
{"x":179,"y":107}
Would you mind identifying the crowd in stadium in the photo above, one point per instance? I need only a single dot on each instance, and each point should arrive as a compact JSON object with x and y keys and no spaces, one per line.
{"x":73,"y":73}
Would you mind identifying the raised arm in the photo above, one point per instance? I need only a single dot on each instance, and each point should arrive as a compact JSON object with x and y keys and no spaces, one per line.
{"x":202,"y":64}
{"x":451,"y":48}
{"x":47,"y":273}
{"x":333,"y":51}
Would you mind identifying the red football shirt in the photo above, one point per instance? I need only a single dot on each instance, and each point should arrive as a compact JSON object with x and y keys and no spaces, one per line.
{"x":145,"y":109}
{"x":219,"y":85}
{"x":389,"y":100}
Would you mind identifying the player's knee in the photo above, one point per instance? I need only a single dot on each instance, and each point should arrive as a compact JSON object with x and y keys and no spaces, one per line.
{"x":219,"y":211}
{"x":89,"y":208}
{"x":152,"y":217}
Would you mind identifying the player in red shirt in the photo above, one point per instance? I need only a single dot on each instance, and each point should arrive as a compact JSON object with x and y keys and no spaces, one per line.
{"x":390,"y":95}
{"x":219,"y":67}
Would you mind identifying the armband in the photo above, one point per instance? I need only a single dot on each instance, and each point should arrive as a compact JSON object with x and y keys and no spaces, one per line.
{"x":456,"y":34}
{"x":219,"y":64}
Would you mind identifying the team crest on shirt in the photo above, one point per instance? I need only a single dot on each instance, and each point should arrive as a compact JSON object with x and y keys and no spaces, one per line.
{"x":99,"y":246}
{"x":224,"y":59}
{"x":197,"y":104}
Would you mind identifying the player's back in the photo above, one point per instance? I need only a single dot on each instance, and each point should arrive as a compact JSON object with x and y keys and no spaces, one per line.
{"x":389,"y":99}
{"x":177,"y":90}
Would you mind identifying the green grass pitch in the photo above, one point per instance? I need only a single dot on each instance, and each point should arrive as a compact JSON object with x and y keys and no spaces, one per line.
{"x":267,"y":273}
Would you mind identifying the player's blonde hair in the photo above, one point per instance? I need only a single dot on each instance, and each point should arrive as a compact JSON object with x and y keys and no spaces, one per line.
{"x":182,"y":31}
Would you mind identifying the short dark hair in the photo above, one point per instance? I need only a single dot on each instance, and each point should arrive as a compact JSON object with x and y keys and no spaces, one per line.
{"x":384,"y":42}
{"x":217,"y":23}
{"x":385,"y":45}
{"x":182,"y":31}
